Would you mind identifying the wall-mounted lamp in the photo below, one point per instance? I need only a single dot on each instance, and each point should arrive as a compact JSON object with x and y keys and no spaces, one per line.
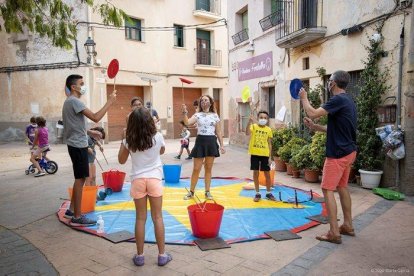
{"x":90,"y":49}
{"x":251,"y":47}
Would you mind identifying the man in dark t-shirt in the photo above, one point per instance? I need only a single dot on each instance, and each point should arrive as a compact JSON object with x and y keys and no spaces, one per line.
{"x":340,"y":151}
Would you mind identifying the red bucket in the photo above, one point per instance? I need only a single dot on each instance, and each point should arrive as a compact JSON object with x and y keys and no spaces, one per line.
{"x":205,"y":221}
{"x":114,"y":180}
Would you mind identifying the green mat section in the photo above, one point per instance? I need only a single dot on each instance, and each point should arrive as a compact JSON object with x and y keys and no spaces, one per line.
{"x":388,"y":194}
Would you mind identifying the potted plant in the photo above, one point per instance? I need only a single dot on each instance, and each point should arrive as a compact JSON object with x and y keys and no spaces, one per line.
{"x":317,"y":152}
{"x":280,"y":137}
{"x":296,"y":162}
{"x":285,"y":152}
{"x":370,"y":157}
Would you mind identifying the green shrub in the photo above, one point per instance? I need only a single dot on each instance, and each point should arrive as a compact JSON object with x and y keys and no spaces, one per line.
{"x":285,"y":152}
{"x":317,"y":149}
{"x":280,"y":138}
{"x":302,"y":159}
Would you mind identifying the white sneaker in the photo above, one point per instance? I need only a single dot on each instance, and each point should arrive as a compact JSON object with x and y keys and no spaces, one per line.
{"x":39,"y":174}
{"x":188,"y":196}
{"x":209,"y":195}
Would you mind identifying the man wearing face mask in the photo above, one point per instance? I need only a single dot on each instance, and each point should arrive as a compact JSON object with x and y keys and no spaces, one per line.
{"x":73,"y":113}
{"x":260,"y":147}
{"x":340,"y":151}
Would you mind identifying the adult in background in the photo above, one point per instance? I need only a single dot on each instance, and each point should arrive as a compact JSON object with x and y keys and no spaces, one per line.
{"x":205,"y":148}
{"x":136,"y":102}
{"x":340,"y":151}
{"x":74,"y":114}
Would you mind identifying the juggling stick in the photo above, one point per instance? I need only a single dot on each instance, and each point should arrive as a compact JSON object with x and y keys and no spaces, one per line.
{"x":183,"y":80}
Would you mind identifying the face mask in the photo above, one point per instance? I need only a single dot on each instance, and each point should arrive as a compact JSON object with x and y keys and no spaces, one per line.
{"x":67,"y":91}
{"x":262,"y":122}
{"x":329,"y":87}
{"x":83,"y":90}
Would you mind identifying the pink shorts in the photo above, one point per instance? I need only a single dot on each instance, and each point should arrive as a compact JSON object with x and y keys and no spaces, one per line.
{"x":142,"y":187}
{"x":336,"y":172}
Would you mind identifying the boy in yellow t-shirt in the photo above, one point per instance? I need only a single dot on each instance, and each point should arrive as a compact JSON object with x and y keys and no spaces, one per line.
{"x":260,"y":147}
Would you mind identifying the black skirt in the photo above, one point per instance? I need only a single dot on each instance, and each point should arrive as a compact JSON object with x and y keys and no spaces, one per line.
{"x":205,"y":146}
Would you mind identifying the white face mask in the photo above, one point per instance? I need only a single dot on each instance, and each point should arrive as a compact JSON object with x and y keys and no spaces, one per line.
{"x":262,"y":122}
{"x":83,"y":90}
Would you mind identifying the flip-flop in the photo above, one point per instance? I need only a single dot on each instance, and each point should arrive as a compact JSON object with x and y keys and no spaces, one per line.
{"x":345,"y":230}
{"x":329,"y":237}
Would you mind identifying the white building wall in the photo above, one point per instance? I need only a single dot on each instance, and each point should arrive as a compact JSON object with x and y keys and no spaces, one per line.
{"x":264,"y":42}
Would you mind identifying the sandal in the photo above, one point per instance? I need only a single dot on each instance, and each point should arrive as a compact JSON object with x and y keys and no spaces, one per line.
{"x":346,"y":230}
{"x":329,"y":237}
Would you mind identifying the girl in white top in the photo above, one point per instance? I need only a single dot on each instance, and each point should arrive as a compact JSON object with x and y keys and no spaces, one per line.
{"x":206,"y":147}
{"x":145,"y":144}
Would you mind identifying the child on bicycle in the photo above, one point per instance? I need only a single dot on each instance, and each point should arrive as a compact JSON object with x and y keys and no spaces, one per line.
{"x":30,"y":131}
{"x":260,"y":147}
{"x":185,"y":141}
{"x":95,"y":134}
{"x":145,"y":145}
{"x":41,"y":140}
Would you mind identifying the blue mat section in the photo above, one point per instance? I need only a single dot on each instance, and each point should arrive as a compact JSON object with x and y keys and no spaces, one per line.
{"x":243,"y":219}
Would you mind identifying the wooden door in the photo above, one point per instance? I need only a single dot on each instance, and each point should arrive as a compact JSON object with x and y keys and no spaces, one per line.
{"x":120,"y":108}
{"x":190,"y":95}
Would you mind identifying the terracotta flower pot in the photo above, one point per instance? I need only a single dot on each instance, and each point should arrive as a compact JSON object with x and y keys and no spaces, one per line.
{"x":280,"y":166}
{"x":288,"y":169}
{"x":311,"y":176}
{"x":295,"y":173}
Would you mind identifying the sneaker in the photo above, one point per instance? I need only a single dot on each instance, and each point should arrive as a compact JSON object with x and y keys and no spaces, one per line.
{"x":189,"y":195}
{"x":82,"y":221}
{"x":208,"y":195}
{"x":101,"y":196}
{"x":39,"y":174}
{"x":69,"y":214}
{"x":257,"y":197}
{"x":270,"y":196}
{"x":139,"y":260}
{"x":178,"y":157}
{"x":164,"y":259}
{"x":189,"y":158}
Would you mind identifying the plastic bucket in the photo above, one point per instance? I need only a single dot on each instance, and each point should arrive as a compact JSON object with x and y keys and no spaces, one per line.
{"x":88,"y":198}
{"x":205,"y":223}
{"x":172,"y":173}
{"x":114,"y":180}
{"x":262,"y":178}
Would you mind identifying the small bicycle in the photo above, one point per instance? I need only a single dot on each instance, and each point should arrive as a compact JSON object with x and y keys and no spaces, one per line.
{"x":50,"y":167}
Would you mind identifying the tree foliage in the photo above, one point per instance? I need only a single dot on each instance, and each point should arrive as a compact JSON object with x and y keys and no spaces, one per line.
{"x":53,"y":18}
{"x":373,"y":87}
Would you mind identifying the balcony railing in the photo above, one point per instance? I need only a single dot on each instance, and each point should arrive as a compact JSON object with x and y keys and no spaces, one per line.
{"x":302,"y":22}
{"x":241,"y":36}
{"x":207,"y":56}
{"x":209,"y":6}
{"x":271,"y":20}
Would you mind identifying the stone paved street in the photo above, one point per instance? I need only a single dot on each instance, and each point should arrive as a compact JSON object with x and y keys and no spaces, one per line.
{"x":34,"y":242}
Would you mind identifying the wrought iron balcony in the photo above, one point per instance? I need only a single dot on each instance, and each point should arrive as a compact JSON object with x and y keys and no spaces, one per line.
{"x":208,"y":59}
{"x":210,"y":9}
{"x":302,"y":22}
{"x":271,"y":20}
{"x":241,"y":36}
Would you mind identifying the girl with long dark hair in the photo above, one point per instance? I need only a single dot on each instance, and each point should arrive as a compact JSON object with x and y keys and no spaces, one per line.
{"x":145,"y":145}
{"x":206,"y":147}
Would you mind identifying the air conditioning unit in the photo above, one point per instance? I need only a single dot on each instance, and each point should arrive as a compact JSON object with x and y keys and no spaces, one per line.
{"x":405,"y":3}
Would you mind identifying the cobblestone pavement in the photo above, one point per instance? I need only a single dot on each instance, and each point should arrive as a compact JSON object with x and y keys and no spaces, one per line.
{"x":34,"y":242}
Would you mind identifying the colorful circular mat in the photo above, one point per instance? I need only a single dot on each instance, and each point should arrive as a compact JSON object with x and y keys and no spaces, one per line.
{"x":243,"y":219}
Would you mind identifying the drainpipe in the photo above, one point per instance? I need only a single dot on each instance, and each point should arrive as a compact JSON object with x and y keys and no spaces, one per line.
{"x":398,"y":122}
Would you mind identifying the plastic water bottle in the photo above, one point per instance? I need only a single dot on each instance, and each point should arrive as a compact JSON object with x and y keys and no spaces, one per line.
{"x":100,"y":224}
{"x":273,"y":166}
